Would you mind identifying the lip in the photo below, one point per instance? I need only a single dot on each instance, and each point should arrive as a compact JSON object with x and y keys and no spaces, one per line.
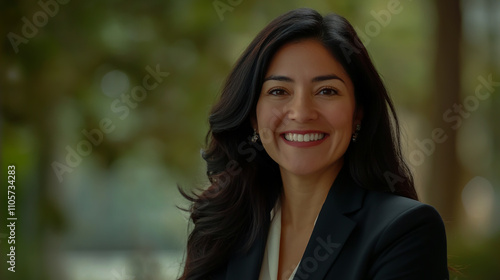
{"x":303,"y":144}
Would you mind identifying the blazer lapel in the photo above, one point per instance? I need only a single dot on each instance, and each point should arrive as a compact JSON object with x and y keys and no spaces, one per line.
{"x":332,"y":228}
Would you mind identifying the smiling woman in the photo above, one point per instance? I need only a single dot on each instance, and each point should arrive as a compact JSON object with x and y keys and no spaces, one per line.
{"x":314,"y":96}
{"x":316,"y":202}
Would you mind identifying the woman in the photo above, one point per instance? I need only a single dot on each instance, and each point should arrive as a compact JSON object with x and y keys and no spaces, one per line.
{"x":307,"y":177}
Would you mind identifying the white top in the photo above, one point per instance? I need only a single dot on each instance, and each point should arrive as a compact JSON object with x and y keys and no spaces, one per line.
{"x":270,"y":263}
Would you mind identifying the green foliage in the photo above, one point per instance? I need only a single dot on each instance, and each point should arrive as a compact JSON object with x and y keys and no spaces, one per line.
{"x":122,"y":194}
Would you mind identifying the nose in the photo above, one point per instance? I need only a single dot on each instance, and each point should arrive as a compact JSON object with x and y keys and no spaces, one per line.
{"x":301,"y":108}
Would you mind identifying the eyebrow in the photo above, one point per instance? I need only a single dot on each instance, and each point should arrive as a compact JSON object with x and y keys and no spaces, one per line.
{"x":314,"y":80}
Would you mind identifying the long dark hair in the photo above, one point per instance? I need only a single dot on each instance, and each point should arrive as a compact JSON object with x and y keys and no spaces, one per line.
{"x":245,"y":181}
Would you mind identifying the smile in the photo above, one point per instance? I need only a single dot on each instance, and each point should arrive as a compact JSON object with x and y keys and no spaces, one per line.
{"x":307,"y":137}
{"x":304,"y":139}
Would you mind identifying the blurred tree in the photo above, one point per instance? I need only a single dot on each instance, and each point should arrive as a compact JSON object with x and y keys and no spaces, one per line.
{"x":444,"y":182}
{"x":51,"y":89}
{"x":493,"y":67}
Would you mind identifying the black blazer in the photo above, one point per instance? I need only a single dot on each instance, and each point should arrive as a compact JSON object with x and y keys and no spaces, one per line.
{"x":361,"y":234}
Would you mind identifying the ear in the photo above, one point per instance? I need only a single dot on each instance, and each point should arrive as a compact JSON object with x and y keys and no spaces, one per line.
{"x":253,"y":122}
{"x":358,"y":115}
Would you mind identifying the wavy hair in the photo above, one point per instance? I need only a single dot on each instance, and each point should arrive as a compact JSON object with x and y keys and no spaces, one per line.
{"x":244,"y":181}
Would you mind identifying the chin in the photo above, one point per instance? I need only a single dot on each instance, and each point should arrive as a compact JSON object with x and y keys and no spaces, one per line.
{"x":301,"y":169}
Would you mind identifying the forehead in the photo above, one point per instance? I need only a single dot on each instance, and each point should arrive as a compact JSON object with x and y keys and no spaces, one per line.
{"x":306,"y":58}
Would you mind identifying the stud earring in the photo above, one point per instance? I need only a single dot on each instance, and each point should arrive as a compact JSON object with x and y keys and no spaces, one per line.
{"x":255,"y":136}
{"x":356,"y":133}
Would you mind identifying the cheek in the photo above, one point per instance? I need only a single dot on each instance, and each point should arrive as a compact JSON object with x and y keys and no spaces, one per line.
{"x":268,"y":117}
{"x":267,"y":122}
{"x":260,"y":114}
{"x":340,"y":116}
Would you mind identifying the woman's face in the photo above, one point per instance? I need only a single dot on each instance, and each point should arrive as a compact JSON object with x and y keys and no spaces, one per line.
{"x":306,"y":109}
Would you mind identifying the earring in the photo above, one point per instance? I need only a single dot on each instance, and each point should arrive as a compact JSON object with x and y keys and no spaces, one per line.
{"x":255,"y":136}
{"x":356,"y":132}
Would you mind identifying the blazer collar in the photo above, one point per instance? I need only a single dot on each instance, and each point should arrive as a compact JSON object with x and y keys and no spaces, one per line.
{"x":332,"y":228}
{"x":327,"y":239}
{"x":346,"y":195}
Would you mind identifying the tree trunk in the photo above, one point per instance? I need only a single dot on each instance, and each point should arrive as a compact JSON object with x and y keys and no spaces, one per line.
{"x":444,"y":188}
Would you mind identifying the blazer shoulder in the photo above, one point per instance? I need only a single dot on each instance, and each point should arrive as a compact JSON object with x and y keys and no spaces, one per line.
{"x":393,"y":216}
{"x":405,"y":227}
{"x":390,"y":206}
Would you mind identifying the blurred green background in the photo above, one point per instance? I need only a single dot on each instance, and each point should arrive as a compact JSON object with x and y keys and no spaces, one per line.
{"x":97,"y":171}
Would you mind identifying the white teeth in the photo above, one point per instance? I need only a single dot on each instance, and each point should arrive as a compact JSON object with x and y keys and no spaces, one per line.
{"x":294,"y":137}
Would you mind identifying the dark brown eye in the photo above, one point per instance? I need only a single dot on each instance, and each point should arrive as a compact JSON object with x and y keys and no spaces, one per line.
{"x":277,"y":92}
{"x":328,"y":91}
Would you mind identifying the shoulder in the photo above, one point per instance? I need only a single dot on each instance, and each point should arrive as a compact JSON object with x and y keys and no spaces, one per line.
{"x":394,"y":226}
{"x":391,"y":207}
{"x":408,"y":222}
{"x":389,"y":213}
{"x":377,"y":212}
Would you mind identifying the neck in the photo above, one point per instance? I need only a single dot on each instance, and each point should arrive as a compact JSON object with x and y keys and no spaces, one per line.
{"x":304,"y":195}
